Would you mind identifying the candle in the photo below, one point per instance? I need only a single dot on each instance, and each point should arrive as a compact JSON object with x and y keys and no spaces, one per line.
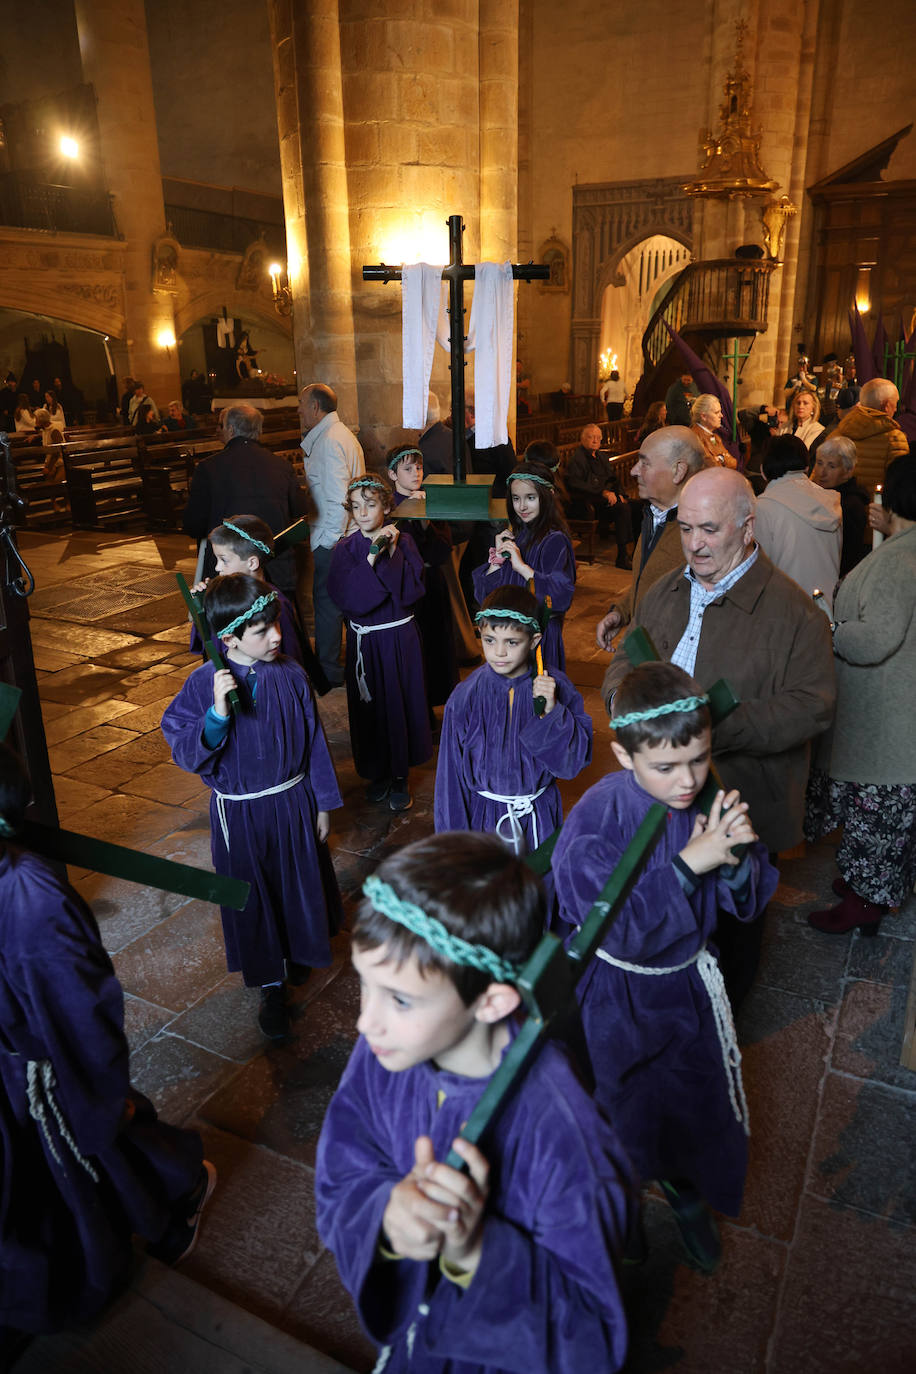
{"x":876,"y":535}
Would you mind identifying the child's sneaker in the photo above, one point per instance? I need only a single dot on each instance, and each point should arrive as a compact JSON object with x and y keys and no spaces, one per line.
{"x":696,"y":1223}
{"x":399,"y":798}
{"x":273,"y":1016}
{"x":181,"y":1233}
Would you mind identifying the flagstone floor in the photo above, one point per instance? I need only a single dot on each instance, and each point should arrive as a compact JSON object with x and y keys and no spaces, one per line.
{"x":819,"y":1271}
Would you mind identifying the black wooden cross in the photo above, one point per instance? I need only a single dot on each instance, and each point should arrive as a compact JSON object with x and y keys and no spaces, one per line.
{"x":456,"y":274}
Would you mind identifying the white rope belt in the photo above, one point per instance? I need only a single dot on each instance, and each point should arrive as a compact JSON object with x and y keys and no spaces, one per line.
{"x":710,"y":973}
{"x":223,"y":797}
{"x":40,"y":1085}
{"x":515,"y":808}
{"x":359,"y":631}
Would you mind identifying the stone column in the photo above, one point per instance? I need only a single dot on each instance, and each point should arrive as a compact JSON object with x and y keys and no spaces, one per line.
{"x":498,"y":49}
{"x":309,"y":87}
{"x":115,"y":58}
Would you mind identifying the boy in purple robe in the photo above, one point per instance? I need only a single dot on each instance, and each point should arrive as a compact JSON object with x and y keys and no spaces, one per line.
{"x":535,"y":549}
{"x":511,"y":1266}
{"x":434,"y":610}
{"x":273,"y":784}
{"x":499,"y":760}
{"x":376,"y":581}
{"x":244,"y":544}
{"x":85,"y":1160}
{"x":657,"y":1021}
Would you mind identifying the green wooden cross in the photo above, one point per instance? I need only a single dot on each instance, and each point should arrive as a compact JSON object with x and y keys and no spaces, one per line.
{"x":733,"y":357}
{"x":202,"y":627}
{"x":896,"y":355}
{"x":115,"y":860}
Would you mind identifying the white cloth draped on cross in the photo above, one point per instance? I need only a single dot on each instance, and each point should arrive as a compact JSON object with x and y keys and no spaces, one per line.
{"x":490,"y":332}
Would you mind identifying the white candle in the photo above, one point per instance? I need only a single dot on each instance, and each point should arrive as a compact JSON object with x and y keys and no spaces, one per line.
{"x":877,"y":536}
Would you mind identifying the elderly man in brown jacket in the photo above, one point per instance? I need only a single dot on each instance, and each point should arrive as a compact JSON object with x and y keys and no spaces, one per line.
{"x":667,"y":458}
{"x":730,"y":613}
{"x":874,"y":431}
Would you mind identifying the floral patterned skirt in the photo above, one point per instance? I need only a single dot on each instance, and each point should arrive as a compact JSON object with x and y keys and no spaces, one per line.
{"x":877,"y":854}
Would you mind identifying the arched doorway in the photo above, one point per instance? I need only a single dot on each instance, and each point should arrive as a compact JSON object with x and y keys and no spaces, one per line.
{"x":46,"y":346}
{"x":631,"y":297}
{"x":269,"y":339}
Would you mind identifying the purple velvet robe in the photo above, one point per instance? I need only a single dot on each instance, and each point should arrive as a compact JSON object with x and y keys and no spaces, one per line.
{"x":294,"y":905}
{"x":65,"y":1239}
{"x":291,"y":642}
{"x":434,"y":610}
{"x":390,"y":733}
{"x":652,"y":1041}
{"x":554,"y":565}
{"x":491,"y":739}
{"x":545,"y":1295}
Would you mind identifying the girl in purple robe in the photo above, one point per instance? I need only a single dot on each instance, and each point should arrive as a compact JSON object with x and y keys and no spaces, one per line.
{"x":273,"y":784}
{"x":244,"y":544}
{"x":85,"y":1160}
{"x":434,"y":610}
{"x":498,"y":759}
{"x":512,"y":1266}
{"x":657,"y":1022}
{"x":376,"y":581}
{"x":539,"y":551}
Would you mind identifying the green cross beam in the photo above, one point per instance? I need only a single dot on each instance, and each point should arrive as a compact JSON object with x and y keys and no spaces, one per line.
{"x":116,"y":860}
{"x":202,"y":626}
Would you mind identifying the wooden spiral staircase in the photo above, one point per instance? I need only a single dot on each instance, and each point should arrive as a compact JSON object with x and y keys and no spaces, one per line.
{"x":708,"y":304}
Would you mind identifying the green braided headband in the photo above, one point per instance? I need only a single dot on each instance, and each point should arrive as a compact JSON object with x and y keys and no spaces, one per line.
{"x":530,"y":477}
{"x":415,"y":919}
{"x":685,"y":704}
{"x":402,"y":453}
{"x":227,"y":524}
{"x":375,"y":482}
{"x":250,"y":614}
{"x":7,"y":829}
{"x":497,"y":613}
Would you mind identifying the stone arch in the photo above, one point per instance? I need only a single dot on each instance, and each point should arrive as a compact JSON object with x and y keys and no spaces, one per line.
{"x":210,"y":300}
{"x":631,"y":282}
{"x":608,"y":221}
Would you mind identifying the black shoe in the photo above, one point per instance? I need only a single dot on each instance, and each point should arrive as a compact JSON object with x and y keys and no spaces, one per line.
{"x":697,"y":1225}
{"x":297,"y":974}
{"x":378,"y":790}
{"x":625,"y":563}
{"x":273,"y":1016}
{"x":399,"y":799}
{"x":181,"y":1234}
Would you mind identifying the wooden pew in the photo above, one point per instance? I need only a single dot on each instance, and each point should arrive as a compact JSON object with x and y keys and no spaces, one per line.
{"x":105,"y":486}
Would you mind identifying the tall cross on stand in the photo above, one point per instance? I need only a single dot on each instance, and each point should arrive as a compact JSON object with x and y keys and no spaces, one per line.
{"x":734,"y":357}
{"x":458,"y":499}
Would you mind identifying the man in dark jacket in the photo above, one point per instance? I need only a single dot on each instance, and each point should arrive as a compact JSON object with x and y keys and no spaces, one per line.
{"x":594,"y":493}
{"x":245,"y":479}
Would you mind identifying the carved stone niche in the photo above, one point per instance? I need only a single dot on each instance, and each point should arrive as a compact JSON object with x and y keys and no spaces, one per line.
{"x":555,"y":253}
{"x":253,"y":274}
{"x":165,"y":265}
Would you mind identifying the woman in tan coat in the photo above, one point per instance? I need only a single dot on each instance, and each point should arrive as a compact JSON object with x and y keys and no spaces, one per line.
{"x":870,"y":785}
{"x":705,"y":419}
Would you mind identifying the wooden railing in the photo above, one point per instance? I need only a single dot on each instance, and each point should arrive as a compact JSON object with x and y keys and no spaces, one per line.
{"x":726,"y":296}
{"x":28,"y":204}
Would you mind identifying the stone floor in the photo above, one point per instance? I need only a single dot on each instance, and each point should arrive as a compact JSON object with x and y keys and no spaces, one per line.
{"x":819,"y":1271}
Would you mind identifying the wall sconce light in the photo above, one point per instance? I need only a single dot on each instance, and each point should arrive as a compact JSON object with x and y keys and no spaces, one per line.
{"x":69,"y":146}
{"x":863,"y":290}
{"x":283,"y":296}
{"x":166,"y":339}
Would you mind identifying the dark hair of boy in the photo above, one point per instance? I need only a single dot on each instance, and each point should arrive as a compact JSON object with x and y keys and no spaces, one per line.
{"x":476,"y":887}
{"x":549,"y":516}
{"x":658,"y":684}
{"x":15,"y":790}
{"x":230,"y":596}
{"x":509,"y":599}
{"x":235,"y":543}
{"x":380,"y":487}
{"x":544,"y":453}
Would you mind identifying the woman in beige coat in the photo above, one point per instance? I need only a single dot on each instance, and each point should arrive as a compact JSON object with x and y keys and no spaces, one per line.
{"x":870,"y":788}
